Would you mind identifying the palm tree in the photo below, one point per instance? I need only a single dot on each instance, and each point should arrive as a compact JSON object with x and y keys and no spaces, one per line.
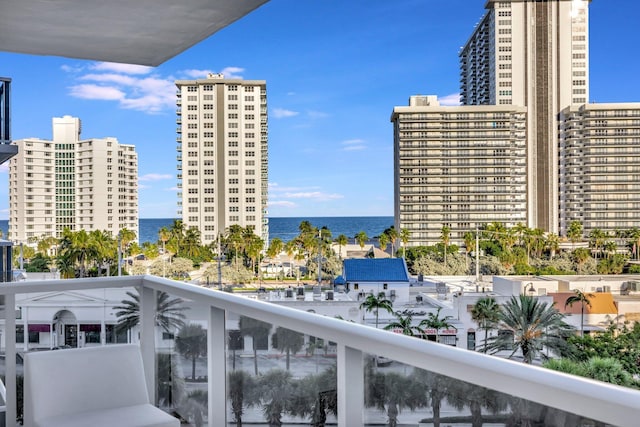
{"x":191,"y":342}
{"x":596,"y":240}
{"x":393,"y":235}
{"x":469,"y":240}
{"x":581,"y":255}
{"x":361,"y":238}
{"x":164,"y":235}
{"x":192,"y":242}
{"x":79,"y":247}
{"x":383,"y":239}
{"x":257,"y":330}
{"x":169,"y":312}
{"x":434,"y":321}
{"x":254,"y":246}
{"x":276,"y":392}
{"x":375,"y":303}
{"x":552,"y":243}
{"x":532,"y":326}
{"x":610,"y":248}
{"x":170,"y":385}
{"x":392,"y":391}
{"x":287,"y":341}
{"x":405,"y":234}
{"x":634,"y":235}
{"x":404,"y":324}
{"x":583,"y":299}
{"x":574,"y":233}
{"x":341,"y":240}
{"x":234,"y":239}
{"x":126,"y":236}
{"x":241,"y":393}
{"x":437,"y":387}
{"x":65,"y":265}
{"x":445,"y":237}
{"x":275,"y":247}
{"x":177,"y":231}
{"x":486,"y":313}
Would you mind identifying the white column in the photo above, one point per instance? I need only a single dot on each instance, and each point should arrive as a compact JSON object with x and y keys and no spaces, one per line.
{"x":10,"y":358}
{"x":147,"y":338}
{"x":350,"y":387}
{"x":217,"y":367}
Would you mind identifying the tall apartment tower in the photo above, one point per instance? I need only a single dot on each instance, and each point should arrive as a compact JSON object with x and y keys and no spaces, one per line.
{"x":533,"y":54}
{"x":222,"y":155}
{"x":460,"y":167}
{"x":74,"y":183}
{"x":600,"y":167}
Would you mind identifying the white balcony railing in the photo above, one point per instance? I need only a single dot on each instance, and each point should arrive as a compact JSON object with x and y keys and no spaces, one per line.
{"x":598,"y":401}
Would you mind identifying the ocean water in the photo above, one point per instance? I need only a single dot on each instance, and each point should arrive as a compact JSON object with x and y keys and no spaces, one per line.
{"x":285,"y":228}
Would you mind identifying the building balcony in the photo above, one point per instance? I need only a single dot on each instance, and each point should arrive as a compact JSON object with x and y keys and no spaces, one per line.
{"x":342,"y":356}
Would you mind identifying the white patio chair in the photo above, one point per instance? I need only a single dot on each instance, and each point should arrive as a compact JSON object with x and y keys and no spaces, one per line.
{"x":89,"y":387}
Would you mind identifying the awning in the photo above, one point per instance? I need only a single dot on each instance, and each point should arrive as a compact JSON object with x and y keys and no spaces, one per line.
{"x":39,"y":327}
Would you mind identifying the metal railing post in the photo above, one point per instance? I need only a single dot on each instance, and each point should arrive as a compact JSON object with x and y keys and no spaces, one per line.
{"x":147,"y":338}
{"x":217,"y":367}
{"x":10,"y":359}
{"x":350,"y":371}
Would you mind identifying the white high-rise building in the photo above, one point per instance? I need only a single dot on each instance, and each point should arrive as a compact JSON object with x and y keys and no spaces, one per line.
{"x":74,"y":183}
{"x":600,"y":167}
{"x":460,"y":167}
{"x":533,"y":54}
{"x":222,"y":155}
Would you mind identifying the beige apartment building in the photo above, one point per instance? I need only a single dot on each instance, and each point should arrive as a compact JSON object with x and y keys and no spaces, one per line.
{"x":74,"y":183}
{"x":533,"y":54}
{"x":462,"y":167}
{"x":222,"y":155}
{"x":600,"y":166}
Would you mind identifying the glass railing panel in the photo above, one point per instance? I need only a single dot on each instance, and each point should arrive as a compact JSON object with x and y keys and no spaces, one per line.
{"x":181,"y":358}
{"x":278,"y":374}
{"x":399,"y":394}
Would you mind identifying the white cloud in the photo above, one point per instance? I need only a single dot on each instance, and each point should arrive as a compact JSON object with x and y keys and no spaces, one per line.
{"x":172,"y":189}
{"x":91,"y":91}
{"x":354,"y":145}
{"x":131,"y":86}
{"x":450,"y":100}
{"x":280,"y":194}
{"x":274,"y":187}
{"x":119,"y":79}
{"x":197,"y":74}
{"x":121,"y":68}
{"x":279,"y":113}
{"x":4,"y":167}
{"x":71,"y":69}
{"x":232,"y":72}
{"x":354,"y":148}
{"x":282,"y":203}
{"x":143,"y":187}
{"x":314,"y":195}
{"x":154,"y":177}
{"x":135,"y":87}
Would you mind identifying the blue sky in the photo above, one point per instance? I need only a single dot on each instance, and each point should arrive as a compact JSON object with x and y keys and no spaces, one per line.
{"x":334,"y":72}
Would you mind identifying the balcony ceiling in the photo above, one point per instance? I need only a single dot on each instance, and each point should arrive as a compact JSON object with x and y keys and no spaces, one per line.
{"x":145,"y":32}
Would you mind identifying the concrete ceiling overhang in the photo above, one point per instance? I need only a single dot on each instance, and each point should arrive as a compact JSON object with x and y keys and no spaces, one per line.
{"x":145,"y":32}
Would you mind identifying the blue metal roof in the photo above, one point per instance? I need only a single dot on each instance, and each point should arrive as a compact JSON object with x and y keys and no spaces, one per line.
{"x":375,"y":270}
